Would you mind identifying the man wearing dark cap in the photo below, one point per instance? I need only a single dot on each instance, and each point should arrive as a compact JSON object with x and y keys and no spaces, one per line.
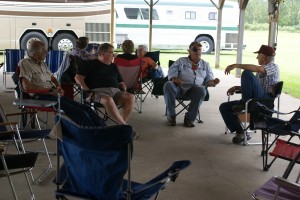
{"x":188,"y":77}
{"x":252,"y":86}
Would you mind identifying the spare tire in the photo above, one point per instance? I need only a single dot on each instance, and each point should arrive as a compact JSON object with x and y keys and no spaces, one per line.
{"x":207,"y":44}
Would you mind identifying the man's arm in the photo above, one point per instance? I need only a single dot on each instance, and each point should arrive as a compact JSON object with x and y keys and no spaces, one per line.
{"x":250,"y":67}
{"x":28,"y":85}
{"x":80,"y":81}
{"x":57,"y":85}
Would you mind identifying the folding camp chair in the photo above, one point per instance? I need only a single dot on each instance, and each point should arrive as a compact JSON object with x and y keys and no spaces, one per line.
{"x":130,"y":71}
{"x":147,"y":83}
{"x":11,"y":60}
{"x":245,"y":115}
{"x":283,"y":149}
{"x":12,"y":164}
{"x":53,"y":59}
{"x":181,"y":101}
{"x":281,"y":187}
{"x":110,"y":150}
{"x":21,"y":94}
{"x":27,"y":135}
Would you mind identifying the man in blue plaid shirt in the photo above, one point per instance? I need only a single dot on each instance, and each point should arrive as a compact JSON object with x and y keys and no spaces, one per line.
{"x":252,"y":86}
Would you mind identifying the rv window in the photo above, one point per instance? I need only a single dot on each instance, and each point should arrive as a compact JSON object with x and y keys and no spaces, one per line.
{"x":141,"y":14}
{"x":132,"y":13}
{"x":212,"y":16}
{"x":146,"y":13}
{"x":190,"y":15}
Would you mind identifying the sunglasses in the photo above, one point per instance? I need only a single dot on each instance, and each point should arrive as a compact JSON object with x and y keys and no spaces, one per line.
{"x":195,"y":49}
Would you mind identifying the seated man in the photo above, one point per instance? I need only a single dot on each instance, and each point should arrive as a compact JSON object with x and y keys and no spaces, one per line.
{"x":101,"y":76}
{"x":188,"y":77}
{"x":259,"y":86}
{"x":34,"y":72}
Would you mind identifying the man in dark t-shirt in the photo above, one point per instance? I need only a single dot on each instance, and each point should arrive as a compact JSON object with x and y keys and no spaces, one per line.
{"x":101,"y":77}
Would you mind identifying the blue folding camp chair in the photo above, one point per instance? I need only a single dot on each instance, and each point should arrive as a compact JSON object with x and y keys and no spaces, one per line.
{"x":53,"y":59}
{"x":11,"y":60}
{"x":97,"y":158}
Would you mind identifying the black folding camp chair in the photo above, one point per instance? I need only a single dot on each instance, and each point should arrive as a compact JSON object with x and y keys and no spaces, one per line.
{"x":28,"y":135}
{"x":183,"y":102}
{"x":244,"y":116}
{"x":148,"y":82}
{"x":12,"y":164}
{"x":284,"y":149}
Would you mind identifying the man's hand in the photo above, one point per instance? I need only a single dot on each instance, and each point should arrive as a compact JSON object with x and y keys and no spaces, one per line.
{"x":60,"y":91}
{"x":177,"y":81}
{"x":213,"y":83}
{"x":229,"y":68}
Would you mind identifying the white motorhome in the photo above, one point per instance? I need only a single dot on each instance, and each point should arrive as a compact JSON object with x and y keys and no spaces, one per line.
{"x":58,"y":25}
{"x":176,"y":23}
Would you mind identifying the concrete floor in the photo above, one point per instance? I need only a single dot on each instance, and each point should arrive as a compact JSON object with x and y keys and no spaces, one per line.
{"x":219,"y":170}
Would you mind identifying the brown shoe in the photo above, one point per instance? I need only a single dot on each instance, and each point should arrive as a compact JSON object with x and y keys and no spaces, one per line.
{"x":188,"y":123}
{"x":172,"y":120}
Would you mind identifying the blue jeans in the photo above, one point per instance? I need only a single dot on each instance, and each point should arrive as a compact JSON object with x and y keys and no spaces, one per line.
{"x":250,"y":89}
{"x":196,"y":94}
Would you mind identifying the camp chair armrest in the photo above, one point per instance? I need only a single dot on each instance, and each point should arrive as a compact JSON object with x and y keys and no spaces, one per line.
{"x":238,"y":92}
{"x":21,"y":113}
{"x":38,"y":91}
{"x":8,"y":123}
{"x":286,"y":183}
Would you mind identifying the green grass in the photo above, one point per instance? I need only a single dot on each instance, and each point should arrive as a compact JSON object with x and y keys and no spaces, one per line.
{"x":287,"y":57}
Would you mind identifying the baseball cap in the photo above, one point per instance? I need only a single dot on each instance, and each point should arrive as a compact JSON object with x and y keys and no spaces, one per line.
{"x":266,"y":50}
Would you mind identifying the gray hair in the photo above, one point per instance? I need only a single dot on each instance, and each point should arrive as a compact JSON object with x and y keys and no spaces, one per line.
{"x":36,"y":47}
{"x":269,"y":59}
{"x":144,"y":47}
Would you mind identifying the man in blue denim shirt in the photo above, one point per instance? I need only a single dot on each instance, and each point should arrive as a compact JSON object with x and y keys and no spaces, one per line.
{"x":252,"y":86}
{"x":188,"y":77}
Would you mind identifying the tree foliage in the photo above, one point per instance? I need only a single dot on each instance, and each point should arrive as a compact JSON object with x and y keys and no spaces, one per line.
{"x":289,"y":13}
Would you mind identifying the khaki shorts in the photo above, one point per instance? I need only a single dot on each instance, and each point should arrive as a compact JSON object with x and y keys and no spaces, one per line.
{"x":115,"y":93}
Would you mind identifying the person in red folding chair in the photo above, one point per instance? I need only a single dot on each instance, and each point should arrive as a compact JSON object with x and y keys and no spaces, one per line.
{"x":34,"y":72}
{"x":100,"y":77}
{"x":127,"y":48}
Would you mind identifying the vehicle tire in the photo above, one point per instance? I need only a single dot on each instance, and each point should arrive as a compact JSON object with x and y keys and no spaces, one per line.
{"x":64,"y":42}
{"x":32,"y":36}
{"x":207,"y":44}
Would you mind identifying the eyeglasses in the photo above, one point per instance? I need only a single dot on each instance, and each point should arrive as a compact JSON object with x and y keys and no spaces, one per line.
{"x":109,"y":52}
{"x":195,"y":49}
